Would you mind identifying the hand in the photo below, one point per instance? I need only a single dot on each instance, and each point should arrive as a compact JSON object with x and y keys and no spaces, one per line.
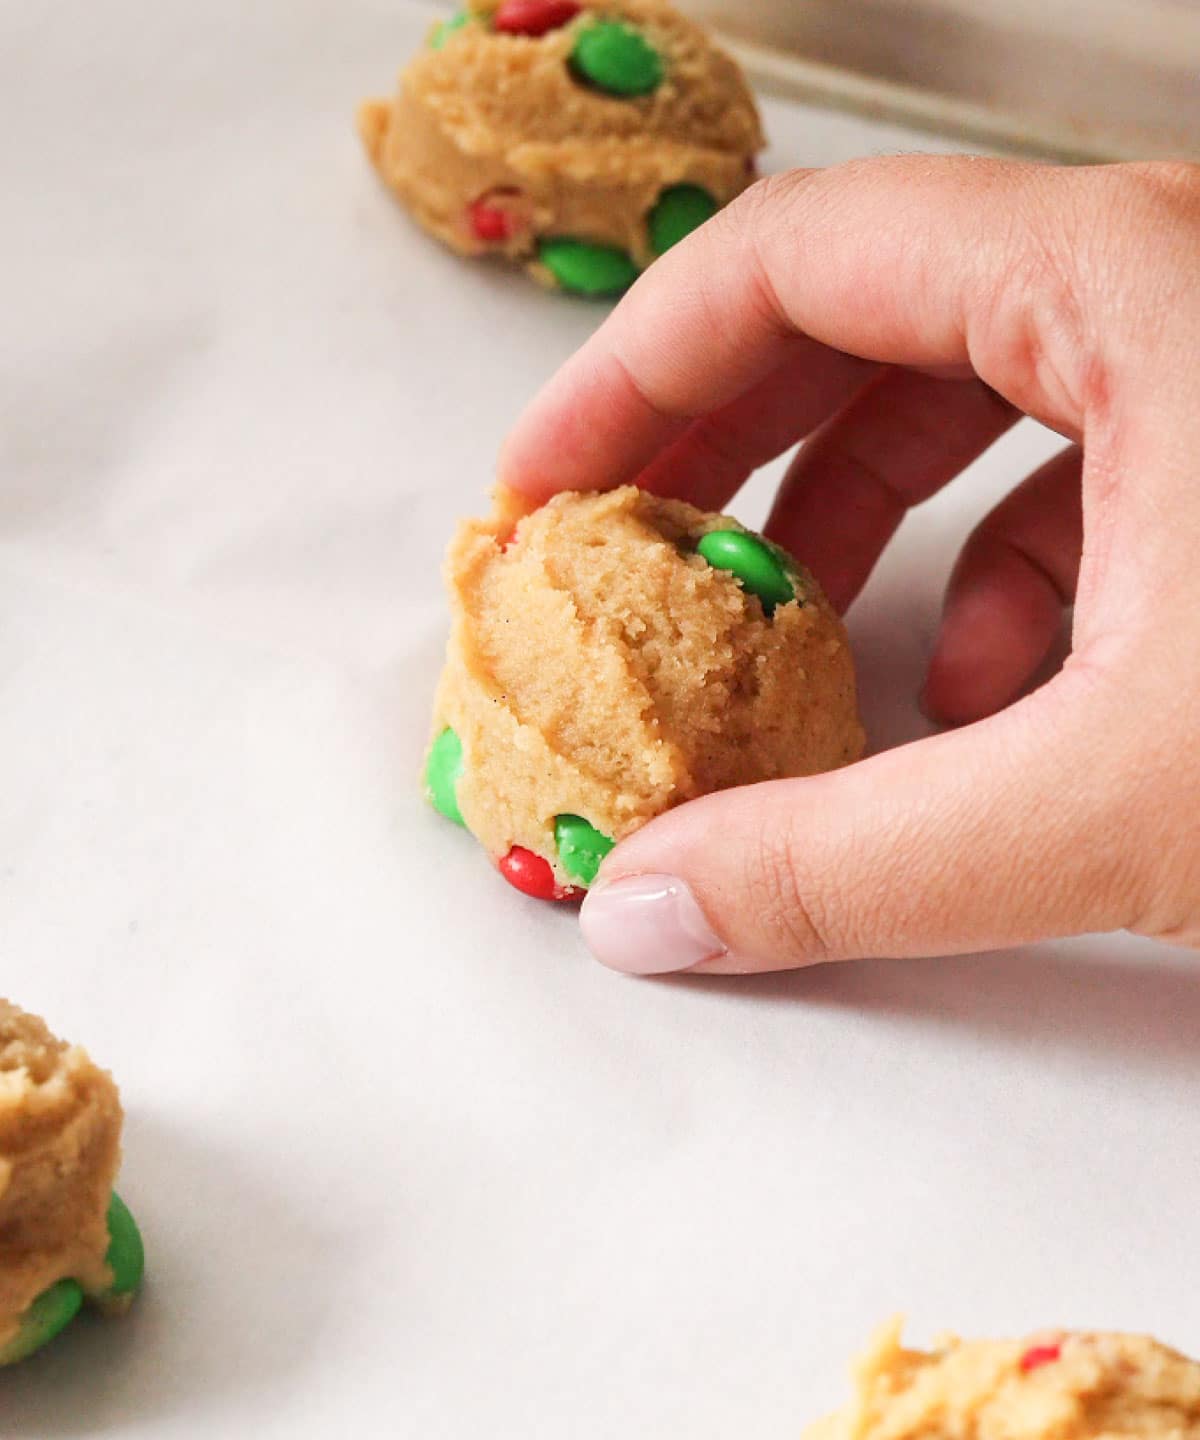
{"x":902,"y":314}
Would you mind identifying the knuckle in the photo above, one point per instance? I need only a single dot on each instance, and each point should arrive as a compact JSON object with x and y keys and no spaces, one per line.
{"x":1183,"y":931}
{"x":647,"y":390}
{"x":1167,"y":905}
{"x":1025,"y":323}
{"x":1036,"y":323}
{"x":1170,"y":183}
{"x":1166,"y":878}
{"x":754,"y":227}
{"x":784,"y":910}
{"x":768,"y":198}
{"x":1073,"y":242}
{"x":740,"y":241}
{"x":739,"y":225}
{"x":1138,"y":789}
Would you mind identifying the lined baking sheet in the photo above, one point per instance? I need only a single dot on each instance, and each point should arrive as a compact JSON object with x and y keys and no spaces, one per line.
{"x":408,"y":1163}
{"x":1079,"y":79}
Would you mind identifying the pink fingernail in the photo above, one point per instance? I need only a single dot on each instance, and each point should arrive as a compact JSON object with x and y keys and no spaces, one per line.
{"x":647,"y":925}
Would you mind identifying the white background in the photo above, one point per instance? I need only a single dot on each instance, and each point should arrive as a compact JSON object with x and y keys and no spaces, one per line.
{"x":407,"y":1162}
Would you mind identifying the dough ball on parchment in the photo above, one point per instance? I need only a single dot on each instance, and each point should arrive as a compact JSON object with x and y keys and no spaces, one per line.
{"x":578,"y":139}
{"x":1053,"y":1386}
{"x":64,"y":1235}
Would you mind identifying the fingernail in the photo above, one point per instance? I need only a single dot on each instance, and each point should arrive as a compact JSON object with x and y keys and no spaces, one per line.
{"x":647,"y":925}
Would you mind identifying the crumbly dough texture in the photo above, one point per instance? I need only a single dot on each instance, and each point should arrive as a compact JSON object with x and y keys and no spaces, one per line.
{"x":60,"y":1130}
{"x":491,"y":112}
{"x":1100,"y":1387}
{"x":598,"y":667}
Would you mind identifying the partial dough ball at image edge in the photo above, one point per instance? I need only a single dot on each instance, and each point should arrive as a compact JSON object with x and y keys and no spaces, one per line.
{"x":613,"y":655}
{"x":66,"y":1237}
{"x":581,"y":141}
{"x":1056,"y":1385}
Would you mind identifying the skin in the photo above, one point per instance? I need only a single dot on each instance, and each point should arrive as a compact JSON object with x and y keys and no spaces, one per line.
{"x":902,"y":314}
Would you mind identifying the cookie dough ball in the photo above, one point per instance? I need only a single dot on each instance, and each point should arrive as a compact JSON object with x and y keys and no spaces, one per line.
{"x":579,"y":139}
{"x":1050,"y":1387}
{"x":64,"y":1235}
{"x":613,"y":655}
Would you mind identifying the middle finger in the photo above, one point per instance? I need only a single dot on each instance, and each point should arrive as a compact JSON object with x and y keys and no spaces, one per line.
{"x":904,"y":437}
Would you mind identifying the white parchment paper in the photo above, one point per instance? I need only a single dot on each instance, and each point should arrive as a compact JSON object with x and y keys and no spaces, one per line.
{"x":407,"y":1162}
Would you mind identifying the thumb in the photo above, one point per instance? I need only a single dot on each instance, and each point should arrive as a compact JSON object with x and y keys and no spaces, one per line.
{"x":993,"y":835}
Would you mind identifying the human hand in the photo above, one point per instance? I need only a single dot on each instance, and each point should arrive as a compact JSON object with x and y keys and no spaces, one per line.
{"x":903,"y":313}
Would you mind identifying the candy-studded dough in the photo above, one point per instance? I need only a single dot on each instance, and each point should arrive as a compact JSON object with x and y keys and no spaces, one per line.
{"x":600,"y":668}
{"x":499,"y":142}
{"x":1052,"y":1386}
{"x":60,"y":1128}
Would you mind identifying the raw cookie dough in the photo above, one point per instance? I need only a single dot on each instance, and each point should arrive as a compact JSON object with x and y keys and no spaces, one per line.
{"x":580,"y":140}
{"x":601,"y":669}
{"x":1054,"y":1386}
{"x":60,"y":1131}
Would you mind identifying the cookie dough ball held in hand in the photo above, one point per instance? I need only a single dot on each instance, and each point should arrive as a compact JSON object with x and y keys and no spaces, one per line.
{"x":579,"y":140}
{"x":613,"y":655}
{"x":65,"y":1235}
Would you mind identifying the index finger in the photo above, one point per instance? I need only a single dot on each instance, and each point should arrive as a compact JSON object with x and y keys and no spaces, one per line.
{"x":890,"y":260}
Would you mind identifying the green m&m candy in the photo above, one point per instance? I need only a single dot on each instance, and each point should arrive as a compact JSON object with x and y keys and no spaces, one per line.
{"x":445,"y":31}
{"x":442,"y":771}
{"x":587,"y":269}
{"x":679,"y":211}
{"x":126,"y":1256}
{"x":756,"y":565}
{"x":581,"y":847}
{"x":55,"y":1308}
{"x":617,"y":58}
{"x":48,"y":1316}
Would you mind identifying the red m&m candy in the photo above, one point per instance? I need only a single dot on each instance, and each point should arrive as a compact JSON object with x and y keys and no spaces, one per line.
{"x":533,"y":17}
{"x":532,"y":875}
{"x":1038,"y":1355}
{"x":491,"y":220}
